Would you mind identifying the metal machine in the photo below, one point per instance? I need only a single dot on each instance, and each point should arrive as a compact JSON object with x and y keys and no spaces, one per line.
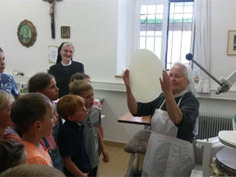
{"x":224,"y":83}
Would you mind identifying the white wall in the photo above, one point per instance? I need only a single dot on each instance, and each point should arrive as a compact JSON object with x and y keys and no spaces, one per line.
{"x":222,"y":20}
{"x":94,"y":32}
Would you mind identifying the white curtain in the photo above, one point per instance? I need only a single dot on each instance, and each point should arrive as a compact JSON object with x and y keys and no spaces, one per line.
{"x":202,"y":46}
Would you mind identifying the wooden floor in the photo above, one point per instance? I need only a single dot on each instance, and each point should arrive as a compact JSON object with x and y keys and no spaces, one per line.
{"x":118,"y":163}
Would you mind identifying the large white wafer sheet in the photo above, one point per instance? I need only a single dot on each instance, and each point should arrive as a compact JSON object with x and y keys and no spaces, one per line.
{"x":145,"y":69}
{"x":228,"y":137}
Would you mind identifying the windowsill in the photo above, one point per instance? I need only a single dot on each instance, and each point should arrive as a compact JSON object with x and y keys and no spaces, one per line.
{"x":119,"y":76}
{"x":108,"y":86}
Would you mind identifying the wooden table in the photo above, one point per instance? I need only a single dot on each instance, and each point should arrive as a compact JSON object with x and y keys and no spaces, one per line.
{"x":129,"y":118}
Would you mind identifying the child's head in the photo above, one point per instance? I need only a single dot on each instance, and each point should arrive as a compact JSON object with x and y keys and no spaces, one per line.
{"x":2,"y":61}
{"x":5,"y":110}
{"x":33,"y":112}
{"x":80,"y":76}
{"x":72,"y":108}
{"x":83,"y":89}
{"x":12,"y":153}
{"x":44,"y":83}
{"x":30,"y":170}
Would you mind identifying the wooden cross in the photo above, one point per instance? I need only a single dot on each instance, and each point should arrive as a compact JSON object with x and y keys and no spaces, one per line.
{"x":51,"y":13}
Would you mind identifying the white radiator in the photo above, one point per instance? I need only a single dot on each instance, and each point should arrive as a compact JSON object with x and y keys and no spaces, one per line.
{"x":210,"y":125}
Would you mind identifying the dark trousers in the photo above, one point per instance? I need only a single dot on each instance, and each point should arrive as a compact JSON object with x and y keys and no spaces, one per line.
{"x":93,"y":172}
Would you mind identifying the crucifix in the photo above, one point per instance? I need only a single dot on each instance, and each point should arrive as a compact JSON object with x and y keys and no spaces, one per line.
{"x":51,"y":13}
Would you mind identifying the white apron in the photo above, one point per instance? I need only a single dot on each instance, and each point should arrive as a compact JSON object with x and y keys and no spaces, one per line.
{"x":167,"y":155}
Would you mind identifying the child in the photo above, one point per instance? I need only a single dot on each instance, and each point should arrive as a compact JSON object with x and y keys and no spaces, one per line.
{"x":32,"y":170}
{"x":7,"y":82}
{"x":12,"y":153}
{"x":6,"y":133}
{"x":32,"y":114}
{"x":45,"y":83}
{"x":80,"y":76}
{"x":71,"y":139}
{"x":85,"y":77}
{"x":94,"y":139}
{"x":96,"y":102}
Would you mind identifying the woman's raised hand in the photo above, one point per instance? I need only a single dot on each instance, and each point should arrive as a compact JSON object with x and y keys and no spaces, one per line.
{"x":165,"y":83}
{"x":126,"y":78}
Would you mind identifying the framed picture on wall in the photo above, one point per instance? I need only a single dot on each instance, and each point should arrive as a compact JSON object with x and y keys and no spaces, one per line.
{"x":231,"y":50}
{"x":65,"y":32}
{"x":26,"y":33}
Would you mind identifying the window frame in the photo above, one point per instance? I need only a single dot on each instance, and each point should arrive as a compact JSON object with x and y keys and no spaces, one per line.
{"x":165,"y":25}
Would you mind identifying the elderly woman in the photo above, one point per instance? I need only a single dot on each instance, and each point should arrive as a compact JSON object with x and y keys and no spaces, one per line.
{"x":174,"y":112}
{"x":65,"y":68}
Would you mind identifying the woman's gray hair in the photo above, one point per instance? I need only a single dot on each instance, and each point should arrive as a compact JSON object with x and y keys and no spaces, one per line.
{"x":189,"y":75}
{"x":67,"y":44}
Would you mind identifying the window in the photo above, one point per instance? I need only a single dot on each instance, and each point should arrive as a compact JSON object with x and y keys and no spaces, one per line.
{"x":165,"y":28}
